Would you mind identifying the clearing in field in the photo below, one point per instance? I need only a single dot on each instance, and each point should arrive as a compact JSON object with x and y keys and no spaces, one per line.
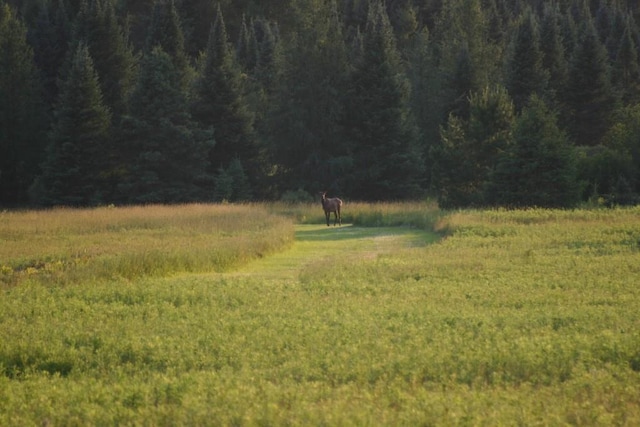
{"x":317,"y":246}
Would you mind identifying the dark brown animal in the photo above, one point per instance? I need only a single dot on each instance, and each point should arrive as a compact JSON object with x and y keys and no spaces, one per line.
{"x":331,"y":205}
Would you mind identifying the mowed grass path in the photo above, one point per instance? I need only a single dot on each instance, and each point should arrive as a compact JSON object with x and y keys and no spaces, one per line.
{"x":318,"y":244}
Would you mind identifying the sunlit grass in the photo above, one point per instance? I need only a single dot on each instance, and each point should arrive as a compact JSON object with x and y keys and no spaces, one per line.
{"x":421,"y":215}
{"x":75,"y":245}
{"x":499,"y":318}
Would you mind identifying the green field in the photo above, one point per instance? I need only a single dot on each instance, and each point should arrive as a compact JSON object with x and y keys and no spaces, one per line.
{"x":261,"y":315}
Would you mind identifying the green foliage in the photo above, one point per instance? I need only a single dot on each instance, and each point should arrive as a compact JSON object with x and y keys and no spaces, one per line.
{"x":469,"y":150}
{"x":525,"y":74}
{"x":166,"y":153}
{"x":98,"y":27}
{"x":165,"y":31}
{"x":388,"y":163}
{"x":539,"y":168}
{"x":588,"y":95}
{"x":22,"y":116}
{"x":554,"y":59}
{"x":231,"y":184}
{"x":317,"y":94}
{"x":611,"y":170}
{"x":219,"y":103}
{"x":305,"y":120}
{"x":72,"y":171}
{"x":626,"y":70}
{"x":50,"y":37}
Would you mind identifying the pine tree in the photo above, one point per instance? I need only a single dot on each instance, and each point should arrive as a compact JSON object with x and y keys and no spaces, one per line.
{"x":97,"y":25}
{"x":452,"y":167}
{"x":166,"y":151}
{"x":626,"y":70}
{"x":197,"y":18}
{"x":463,"y":57}
{"x":469,"y":150}
{"x":554,"y":59}
{"x":489,"y":131}
{"x":305,"y":114}
{"x":618,"y":161}
{"x":384,"y":138}
{"x":525,"y":74}
{"x":165,"y":31}
{"x":403,"y":19}
{"x":463,"y":82}
{"x":246,"y":47}
{"x":539,"y":168}
{"x":22,"y":117}
{"x":50,"y":38}
{"x":219,"y":103}
{"x":74,"y":167}
{"x":264,"y":41}
{"x":588,"y":94}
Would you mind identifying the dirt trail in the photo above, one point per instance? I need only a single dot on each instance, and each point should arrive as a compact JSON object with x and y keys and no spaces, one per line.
{"x":319,"y":242}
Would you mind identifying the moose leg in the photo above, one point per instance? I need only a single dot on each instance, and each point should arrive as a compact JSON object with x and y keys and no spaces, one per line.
{"x":328,"y":215}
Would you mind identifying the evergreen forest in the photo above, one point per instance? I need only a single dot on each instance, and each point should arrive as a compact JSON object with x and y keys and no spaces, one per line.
{"x":512,"y":103}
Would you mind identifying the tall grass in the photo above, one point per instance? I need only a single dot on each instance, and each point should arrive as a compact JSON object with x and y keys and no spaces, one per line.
{"x":513,"y":318}
{"x":422,"y":215}
{"x":75,"y":245}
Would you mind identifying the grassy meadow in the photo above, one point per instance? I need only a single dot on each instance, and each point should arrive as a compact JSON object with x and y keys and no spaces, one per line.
{"x":262,"y":315}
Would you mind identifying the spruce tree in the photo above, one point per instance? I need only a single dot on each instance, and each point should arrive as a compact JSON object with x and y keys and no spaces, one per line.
{"x":452,"y":166}
{"x":588,"y":95}
{"x":22,"y":117}
{"x":626,"y":70}
{"x":554,"y":59}
{"x":73,"y":171}
{"x":50,"y":38}
{"x":525,"y":74}
{"x":462,"y":83}
{"x":388,"y":163}
{"x":464,"y":60}
{"x":166,"y":151}
{"x":219,"y":103}
{"x":97,"y":25}
{"x":539,"y":168}
{"x":468,"y":152}
{"x":165,"y":31}
{"x":304,"y":120}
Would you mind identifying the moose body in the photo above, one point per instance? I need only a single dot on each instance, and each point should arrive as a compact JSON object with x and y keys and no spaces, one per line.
{"x":331,"y":205}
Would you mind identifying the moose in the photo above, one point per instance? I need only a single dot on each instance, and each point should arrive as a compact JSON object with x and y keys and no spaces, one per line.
{"x":331,"y":205}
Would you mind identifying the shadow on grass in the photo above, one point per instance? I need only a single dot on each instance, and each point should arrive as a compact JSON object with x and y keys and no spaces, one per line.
{"x":350,"y":232}
{"x":344,"y":232}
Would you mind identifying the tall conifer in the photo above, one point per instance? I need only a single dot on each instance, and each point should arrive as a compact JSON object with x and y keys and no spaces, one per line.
{"x":74,"y":167}
{"x":97,"y":25}
{"x":525,"y":74}
{"x":626,"y":70}
{"x":219,"y":103}
{"x":588,"y":95}
{"x":388,"y":163}
{"x":165,"y":31}
{"x":305,"y":115}
{"x":22,"y":118}
{"x":539,"y":168}
{"x":166,"y":153}
{"x":554,"y":59}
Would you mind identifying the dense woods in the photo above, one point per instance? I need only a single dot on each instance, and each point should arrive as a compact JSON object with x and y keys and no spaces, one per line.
{"x":475,"y":102}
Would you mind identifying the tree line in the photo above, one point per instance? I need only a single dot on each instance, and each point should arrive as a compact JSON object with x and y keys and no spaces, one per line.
{"x":476,"y":102}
